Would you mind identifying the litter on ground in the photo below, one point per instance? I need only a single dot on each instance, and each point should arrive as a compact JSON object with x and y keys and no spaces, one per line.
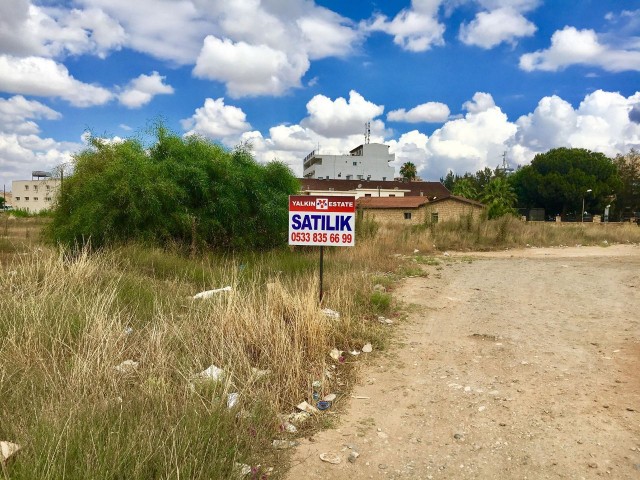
{"x":330,"y":458}
{"x":211,"y":293}
{"x":305,"y":407}
{"x":128,"y":366}
{"x":367,"y":348}
{"x":211,"y":373}
{"x":330,"y":313}
{"x":7,"y":450}
{"x":335,"y":354}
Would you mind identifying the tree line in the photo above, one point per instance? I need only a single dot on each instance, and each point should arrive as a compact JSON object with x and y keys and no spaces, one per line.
{"x":558,"y":181}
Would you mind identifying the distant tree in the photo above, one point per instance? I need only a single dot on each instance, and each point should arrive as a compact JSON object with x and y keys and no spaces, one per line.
{"x":408,"y":171}
{"x":465,"y":187}
{"x":2,"y":203}
{"x":627,"y":198}
{"x":559,"y":179}
{"x":499,"y":197}
{"x":183,"y":190}
{"x":449,"y":180}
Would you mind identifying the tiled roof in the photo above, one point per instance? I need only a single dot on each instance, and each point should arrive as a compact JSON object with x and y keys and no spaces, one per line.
{"x":392,"y":202}
{"x":426,"y":189}
{"x":459,"y":199}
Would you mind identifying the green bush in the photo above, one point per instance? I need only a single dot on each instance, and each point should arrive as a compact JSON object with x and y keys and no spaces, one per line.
{"x":186,"y":191}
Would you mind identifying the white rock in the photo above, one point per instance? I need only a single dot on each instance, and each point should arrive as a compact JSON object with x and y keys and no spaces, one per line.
{"x":367,"y":348}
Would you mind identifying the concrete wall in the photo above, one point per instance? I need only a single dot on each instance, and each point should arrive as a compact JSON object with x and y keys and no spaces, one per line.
{"x":370,"y":163}
{"x":34,"y":195}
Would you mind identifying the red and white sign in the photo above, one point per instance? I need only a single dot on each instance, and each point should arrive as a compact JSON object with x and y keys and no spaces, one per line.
{"x":328,"y":221}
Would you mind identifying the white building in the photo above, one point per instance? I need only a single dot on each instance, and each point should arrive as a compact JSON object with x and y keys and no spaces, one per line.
{"x":369,"y":161}
{"x":36,"y":194}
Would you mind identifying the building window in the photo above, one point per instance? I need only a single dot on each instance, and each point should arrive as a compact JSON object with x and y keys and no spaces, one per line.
{"x":17,"y":199}
{"x":355,"y":164}
{"x":26,"y":187}
{"x":35,"y":188}
{"x":392,"y":194}
{"x":367,"y":194}
{"x":349,"y":177}
{"x":47,"y":199}
{"x":35,"y":199}
{"x":407,"y":215}
{"x":339,"y":175}
{"x":26,"y":199}
{"x":359,"y":177}
{"x":384,"y":179}
{"x":48,"y":187}
{"x":434,"y":217}
{"x":327,"y":177}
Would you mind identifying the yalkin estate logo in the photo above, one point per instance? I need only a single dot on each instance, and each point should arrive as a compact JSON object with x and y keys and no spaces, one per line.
{"x":322,"y":204}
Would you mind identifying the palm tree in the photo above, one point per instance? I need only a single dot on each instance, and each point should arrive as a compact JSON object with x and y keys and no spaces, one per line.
{"x":500,"y":197}
{"x":408,"y":171}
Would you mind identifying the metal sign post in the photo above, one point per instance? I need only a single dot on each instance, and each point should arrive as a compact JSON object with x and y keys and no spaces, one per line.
{"x":322,"y":221}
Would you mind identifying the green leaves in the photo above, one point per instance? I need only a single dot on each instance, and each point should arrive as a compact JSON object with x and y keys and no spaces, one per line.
{"x":187,"y":191}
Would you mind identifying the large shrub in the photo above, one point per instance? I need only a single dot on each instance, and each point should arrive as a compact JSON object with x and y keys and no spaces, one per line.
{"x":184,"y":190}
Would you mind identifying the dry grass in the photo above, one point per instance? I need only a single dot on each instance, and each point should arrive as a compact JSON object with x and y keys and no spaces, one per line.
{"x":63,"y":329}
{"x":66,"y":322}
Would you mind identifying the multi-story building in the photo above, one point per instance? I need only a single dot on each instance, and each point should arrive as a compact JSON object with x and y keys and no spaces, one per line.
{"x":369,"y":161}
{"x":36,"y":194}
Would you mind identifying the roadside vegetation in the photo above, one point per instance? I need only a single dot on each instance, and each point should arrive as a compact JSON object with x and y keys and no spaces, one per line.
{"x":70,"y":318}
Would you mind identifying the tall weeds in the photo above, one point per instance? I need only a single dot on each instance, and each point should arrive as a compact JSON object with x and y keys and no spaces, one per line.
{"x":67,"y":322}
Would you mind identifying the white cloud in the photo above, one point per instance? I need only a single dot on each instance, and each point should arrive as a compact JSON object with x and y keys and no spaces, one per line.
{"x":571,"y":46}
{"x":166,"y":29}
{"x":410,"y":147}
{"x":217,"y":120}
{"x":489,"y":29}
{"x":17,"y":115}
{"x":21,"y":154}
{"x":480,"y":102}
{"x":28,"y":29}
{"x":249,"y":69}
{"x":430,"y":112}
{"x":600,"y":123}
{"x":340,"y":117}
{"x":327,"y":34}
{"x":46,"y":78}
{"x":141,"y":90}
{"x":415,"y":29}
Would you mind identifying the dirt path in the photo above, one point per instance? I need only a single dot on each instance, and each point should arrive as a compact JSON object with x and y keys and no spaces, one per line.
{"x":519,"y":364}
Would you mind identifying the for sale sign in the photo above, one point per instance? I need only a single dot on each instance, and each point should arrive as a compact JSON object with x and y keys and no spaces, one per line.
{"x":328,"y":221}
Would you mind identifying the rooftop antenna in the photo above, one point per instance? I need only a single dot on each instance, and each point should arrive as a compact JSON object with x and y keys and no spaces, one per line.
{"x":367,"y":132}
{"x":505,"y":168}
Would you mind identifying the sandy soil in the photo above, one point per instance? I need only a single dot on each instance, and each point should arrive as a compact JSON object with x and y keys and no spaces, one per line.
{"x":519,"y":364}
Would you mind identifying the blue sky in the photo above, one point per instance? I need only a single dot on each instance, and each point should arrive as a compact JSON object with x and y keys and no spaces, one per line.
{"x":448,"y":84}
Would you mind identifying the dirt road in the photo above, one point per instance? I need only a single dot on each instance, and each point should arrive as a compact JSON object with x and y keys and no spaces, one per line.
{"x":516,"y":365}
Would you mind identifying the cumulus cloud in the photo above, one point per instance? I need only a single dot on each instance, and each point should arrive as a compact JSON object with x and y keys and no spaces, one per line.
{"x":45,"y":78}
{"x":415,"y":29}
{"x":17,"y":115}
{"x":600,"y":123}
{"x":634,"y":113}
{"x":216,"y":120}
{"x":340,"y":117}
{"x":571,"y":46}
{"x":430,"y":112}
{"x":480,"y":102}
{"x":249,"y":69}
{"x":141,"y":90}
{"x":489,"y":29}
{"x":28,"y":29}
